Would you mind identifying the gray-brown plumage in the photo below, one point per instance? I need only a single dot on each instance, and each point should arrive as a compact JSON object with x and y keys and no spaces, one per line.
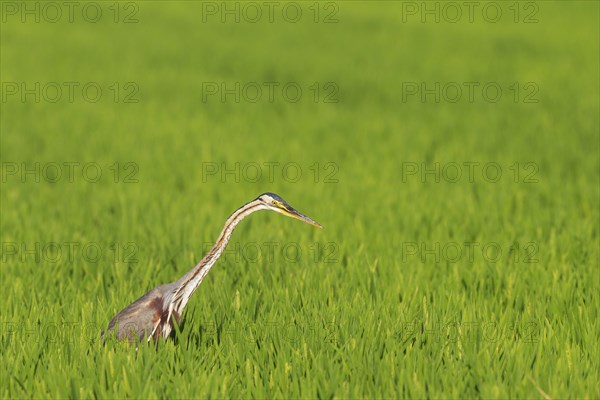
{"x":151,"y":316}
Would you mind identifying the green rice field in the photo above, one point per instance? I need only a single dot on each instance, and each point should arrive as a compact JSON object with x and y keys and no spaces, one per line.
{"x":451,"y":152}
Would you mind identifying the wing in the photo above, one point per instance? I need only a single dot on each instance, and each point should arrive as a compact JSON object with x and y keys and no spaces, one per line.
{"x":139,"y":319}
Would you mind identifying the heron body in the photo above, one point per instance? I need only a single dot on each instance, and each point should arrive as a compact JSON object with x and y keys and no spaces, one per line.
{"x":152,"y":315}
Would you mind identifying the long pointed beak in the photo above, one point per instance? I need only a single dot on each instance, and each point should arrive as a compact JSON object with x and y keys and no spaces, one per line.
{"x":291,"y":212}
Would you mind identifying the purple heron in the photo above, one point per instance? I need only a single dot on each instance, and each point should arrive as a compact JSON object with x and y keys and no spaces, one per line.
{"x":151,"y":316}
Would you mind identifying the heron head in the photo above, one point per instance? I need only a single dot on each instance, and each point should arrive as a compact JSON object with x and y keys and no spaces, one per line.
{"x":276,"y":203}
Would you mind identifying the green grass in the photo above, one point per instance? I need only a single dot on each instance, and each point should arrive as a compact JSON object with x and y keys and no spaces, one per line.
{"x":369,"y":307}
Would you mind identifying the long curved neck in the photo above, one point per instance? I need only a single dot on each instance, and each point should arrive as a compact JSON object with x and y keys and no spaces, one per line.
{"x":188,"y":283}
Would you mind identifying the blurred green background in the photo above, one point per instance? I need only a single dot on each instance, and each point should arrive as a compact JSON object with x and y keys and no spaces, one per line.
{"x":166,"y":135}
